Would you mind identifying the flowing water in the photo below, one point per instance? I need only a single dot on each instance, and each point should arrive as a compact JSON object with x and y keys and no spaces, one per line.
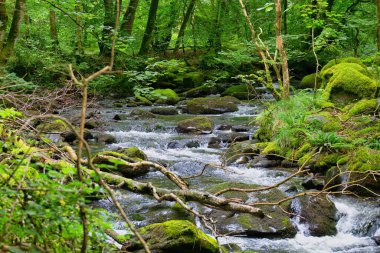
{"x":359,"y":220}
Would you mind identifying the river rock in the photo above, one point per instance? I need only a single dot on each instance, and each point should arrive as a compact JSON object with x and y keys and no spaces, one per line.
{"x":133,"y":152}
{"x":224,"y":127}
{"x":106,"y":138}
{"x":192,"y":144}
{"x":319,"y":213}
{"x":56,"y":126}
{"x":164,"y":110}
{"x":264,"y":162}
{"x":238,"y":150}
{"x":240,"y":129}
{"x":313,"y":183}
{"x":233,"y":137}
{"x":173,"y":145}
{"x":174,"y":236}
{"x":91,"y":124}
{"x":214,"y":142}
{"x":278,"y":226}
{"x":197,"y":125}
{"x":376,"y":239}
{"x":212,"y":105}
{"x":138,"y":113}
{"x":70,"y":136}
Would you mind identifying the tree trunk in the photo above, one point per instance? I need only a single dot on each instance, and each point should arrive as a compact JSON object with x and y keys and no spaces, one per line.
{"x":14,"y":32}
{"x":281,"y":49}
{"x":215,"y":40}
{"x":378,"y":24}
{"x":129,"y":18}
{"x":53,"y":29}
{"x":149,"y":28}
{"x":3,"y":23}
{"x":285,"y":17}
{"x":79,"y":29}
{"x":108,"y":25}
{"x":186,"y":18}
{"x":163,"y":41}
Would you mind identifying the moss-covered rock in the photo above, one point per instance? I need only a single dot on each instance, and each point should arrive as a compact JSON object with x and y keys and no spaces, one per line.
{"x":192,"y":79}
{"x":164,"y":110}
{"x":240,"y":149}
{"x":319,"y":213}
{"x":364,"y":159}
{"x":196,"y":125}
{"x":241,"y":91}
{"x":334,"y":62}
{"x":163,"y":96}
{"x":133,"y":152}
{"x":212,"y":105}
{"x":143,"y":100}
{"x":278,"y":226}
{"x":175,"y":236}
{"x":347,"y":82}
{"x":309,"y":82}
{"x":56,"y":126}
{"x":365,"y":106}
{"x":138,"y":113}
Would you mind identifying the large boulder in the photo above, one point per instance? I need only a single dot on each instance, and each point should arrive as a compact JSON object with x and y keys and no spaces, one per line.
{"x":212,"y":105}
{"x":319,"y":213}
{"x":174,"y":236}
{"x":197,"y":125}
{"x":276,"y":224}
{"x":309,"y":82}
{"x":163,"y":96}
{"x":56,"y":126}
{"x":347,"y":81}
{"x":240,"y":150}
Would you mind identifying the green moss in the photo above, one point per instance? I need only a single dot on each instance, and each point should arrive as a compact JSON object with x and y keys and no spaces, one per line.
{"x":364,"y":159}
{"x":241,"y":91}
{"x":327,"y":160}
{"x":54,"y":126}
{"x":163,"y":96}
{"x":305,"y":158}
{"x":309,"y":81}
{"x":180,"y":236}
{"x":350,"y":79}
{"x":303,"y":150}
{"x":214,"y":105}
{"x":195,"y":125}
{"x":133,"y":152}
{"x":342,"y":60}
{"x":363,"y":107}
{"x":273,"y":148}
{"x":144,"y":100}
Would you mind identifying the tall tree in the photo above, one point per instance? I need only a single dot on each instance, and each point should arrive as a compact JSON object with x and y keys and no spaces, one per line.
{"x":3,"y":23}
{"x":14,"y":32}
{"x":108,"y":25}
{"x":145,"y":44}
{"x":378,"y":24}
{"x":79,"y":28}
{"x":53,"y":29}
{"x":129,"y":18}
{"x":185,"y":20}
{"x":281,"y":49}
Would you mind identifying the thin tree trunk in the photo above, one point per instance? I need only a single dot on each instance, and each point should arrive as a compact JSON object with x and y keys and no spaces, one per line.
{"x":285,"y":17}
{"x":268,"y":82}
{"x":129,"y":18}
{"x":14,"y":32}
{"x":53,"y":29}
{"x":3,"y":23}
{"x":145,"y":44}
{"x":186,"y":18}
{"x":281,"y":50}
{"x":108,"y":24}
{"x":378,"y":24}
{"x":79,"y":29}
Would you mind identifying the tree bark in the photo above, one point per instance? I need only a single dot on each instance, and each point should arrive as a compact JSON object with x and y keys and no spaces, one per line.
{"x":53,"y":29}
{"x":14,"y":32}
{"x":79,"y":29}
{"x":108,"y":25}
{"x":145,"y":44}
{"x":281,"y":50}
{"x":378,"y":24}
{"x":186,"y":18}
{"x":129,"y":18}
{"x":3,"y":23}
{"x":285,"y":17}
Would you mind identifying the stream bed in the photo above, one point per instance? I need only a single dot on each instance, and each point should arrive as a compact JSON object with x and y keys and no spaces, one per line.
{"x":358,"y":220}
